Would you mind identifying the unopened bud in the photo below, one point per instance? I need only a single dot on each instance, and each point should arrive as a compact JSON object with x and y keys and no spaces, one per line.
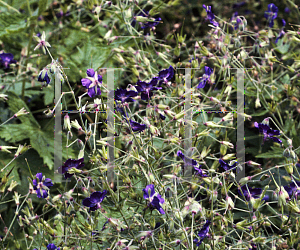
{"x":76,"y":125}
{"x":21,"y":112}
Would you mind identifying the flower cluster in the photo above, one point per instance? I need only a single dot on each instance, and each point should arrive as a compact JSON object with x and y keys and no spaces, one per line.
{"x":154,"y":198}
{"x":41,"y":185}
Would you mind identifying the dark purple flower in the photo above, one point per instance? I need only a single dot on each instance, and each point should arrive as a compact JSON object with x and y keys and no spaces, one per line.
{"x":70,"y":163}
{"x":226,"y":165}
{"x":267,"y":132}
{"x":293,"y":189}
{"x":154,"y":198}
{"x":44,"y":77}
{"x":238,"y":5}
{"x":41,"y":185}
{"x":205,"y":77}
{"x":52,"y":247}
{"x":281,"y":33}
{"x":271,"y":14}
{"x":187,"y":160}
{"x":200,"y":172}
{"x":254,"y":192}
{"x":146,"y":88}
{"x":124,"y":95}
{"x":137,"y":126}
{"x":203,"y":233}
{"x":287,"y":10}
{"x":210,"y":15}
{"x":94,"y":201}
{"x":92,"y":83}
{"x":166,"y":75}
{"x":7,"y":59}
{"x":149,"y":24}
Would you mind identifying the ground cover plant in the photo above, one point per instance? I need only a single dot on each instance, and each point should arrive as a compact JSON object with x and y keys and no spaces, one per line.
{"x":148,"y":104}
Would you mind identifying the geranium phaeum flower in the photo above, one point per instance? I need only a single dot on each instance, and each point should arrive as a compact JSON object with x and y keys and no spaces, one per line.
{"x":146,"y":88}
{"x":166,"y":75}
{"x":154,"y":198}
{"x":267,"y":132}
{"x":137,"y":126}
{"x":254,"y":192}
{"x":203,"y":233}
{"x":124,"y":95}
{"x":93,"y":202}
{"x":52,"y":247}
{"x":271,"y":14}
{"x":187,"y":160}
{"x":226,"y":165}
{"x":44,"y":77}
{"x":41,"y":185}
{"x":70,"y":163}
{"x":7,"y":59}
{"x":281,"y":33}
{"x":92,"y":83}
{"x":205,"y":77}
{"x":293,"y":189}
{"x":210,"y":15}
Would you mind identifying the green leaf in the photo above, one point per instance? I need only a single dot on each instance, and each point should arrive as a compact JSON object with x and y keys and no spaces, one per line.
{"x":282,"y":48}
{"x":274,"y":153}
{"x":11,"y":23}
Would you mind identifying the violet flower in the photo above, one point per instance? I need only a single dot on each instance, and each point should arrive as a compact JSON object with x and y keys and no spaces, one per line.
{"x":41,"y":185}
{"x":52,"y":247}
{"x":70,"y":163}
{"x":254,"y":192}
{"x":146,"y":88}
{"x":267,"y":132}
{"x":44,"y":77}
{"x":154,"y":198}
{"x":93,"y":202}
{"x":124,"y":95}
{"x":281,"y":33}
{"x":7,"y":59}
{"x":137,"y":126}
{"x":92,"y":83}
{"x":166,"y":75}
{"x":205,"y":78}
{"x":203,"y":233}
{"x":271,"y":14}
{"x":210,"y":15}
{"x":226,"y":165}
{"x":149,"y":24}
{"x":293,"y":189}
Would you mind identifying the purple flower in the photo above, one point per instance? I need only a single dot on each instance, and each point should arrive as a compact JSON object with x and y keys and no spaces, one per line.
{"x":226,"y":165}
{"x":166,"y":75}
{"x":146,"y":88}
{"x":287,"y":10}
{"x":41,"y":185}
{"x":124,"y":95}
{"x":137,"y":126}
{"x":70,"y":164}
{"x":44,"y":77}
{"x":94,"y":201}
{"x":187,"y":160}
{"x":52,"y":247}
{"x":281,"y":33}
{"x":293,"y":189}
{"x":6,"y":59}
{"x":154,"y":198}
{"x":267,"y":132}
{"x":149,"y":24}
{"x":205,"y":77}
{"x":200,"y":172}
{"x":92,"y":83}
{"x":254,"y":192}
{"x":203,"y":233}
{"x":210,"y":15}
{"x":271,"y":14}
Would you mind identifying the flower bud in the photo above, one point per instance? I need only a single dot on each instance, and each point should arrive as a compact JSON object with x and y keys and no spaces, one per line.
{"x":22,"y":149}
{"x":5,"y":148}
{"x":17,"y":198}
{"x":229,"y":203}
{"x":67,"y":123}
{"x":293,"y":207}
{"x":228,"y":144}
{"x":76,"y":125}
{"x":12,"y":185}
{"x":245,"y":180}
{"x":257,"y":103}
{"x":282,"y":196}
{"x":21,"y":112}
